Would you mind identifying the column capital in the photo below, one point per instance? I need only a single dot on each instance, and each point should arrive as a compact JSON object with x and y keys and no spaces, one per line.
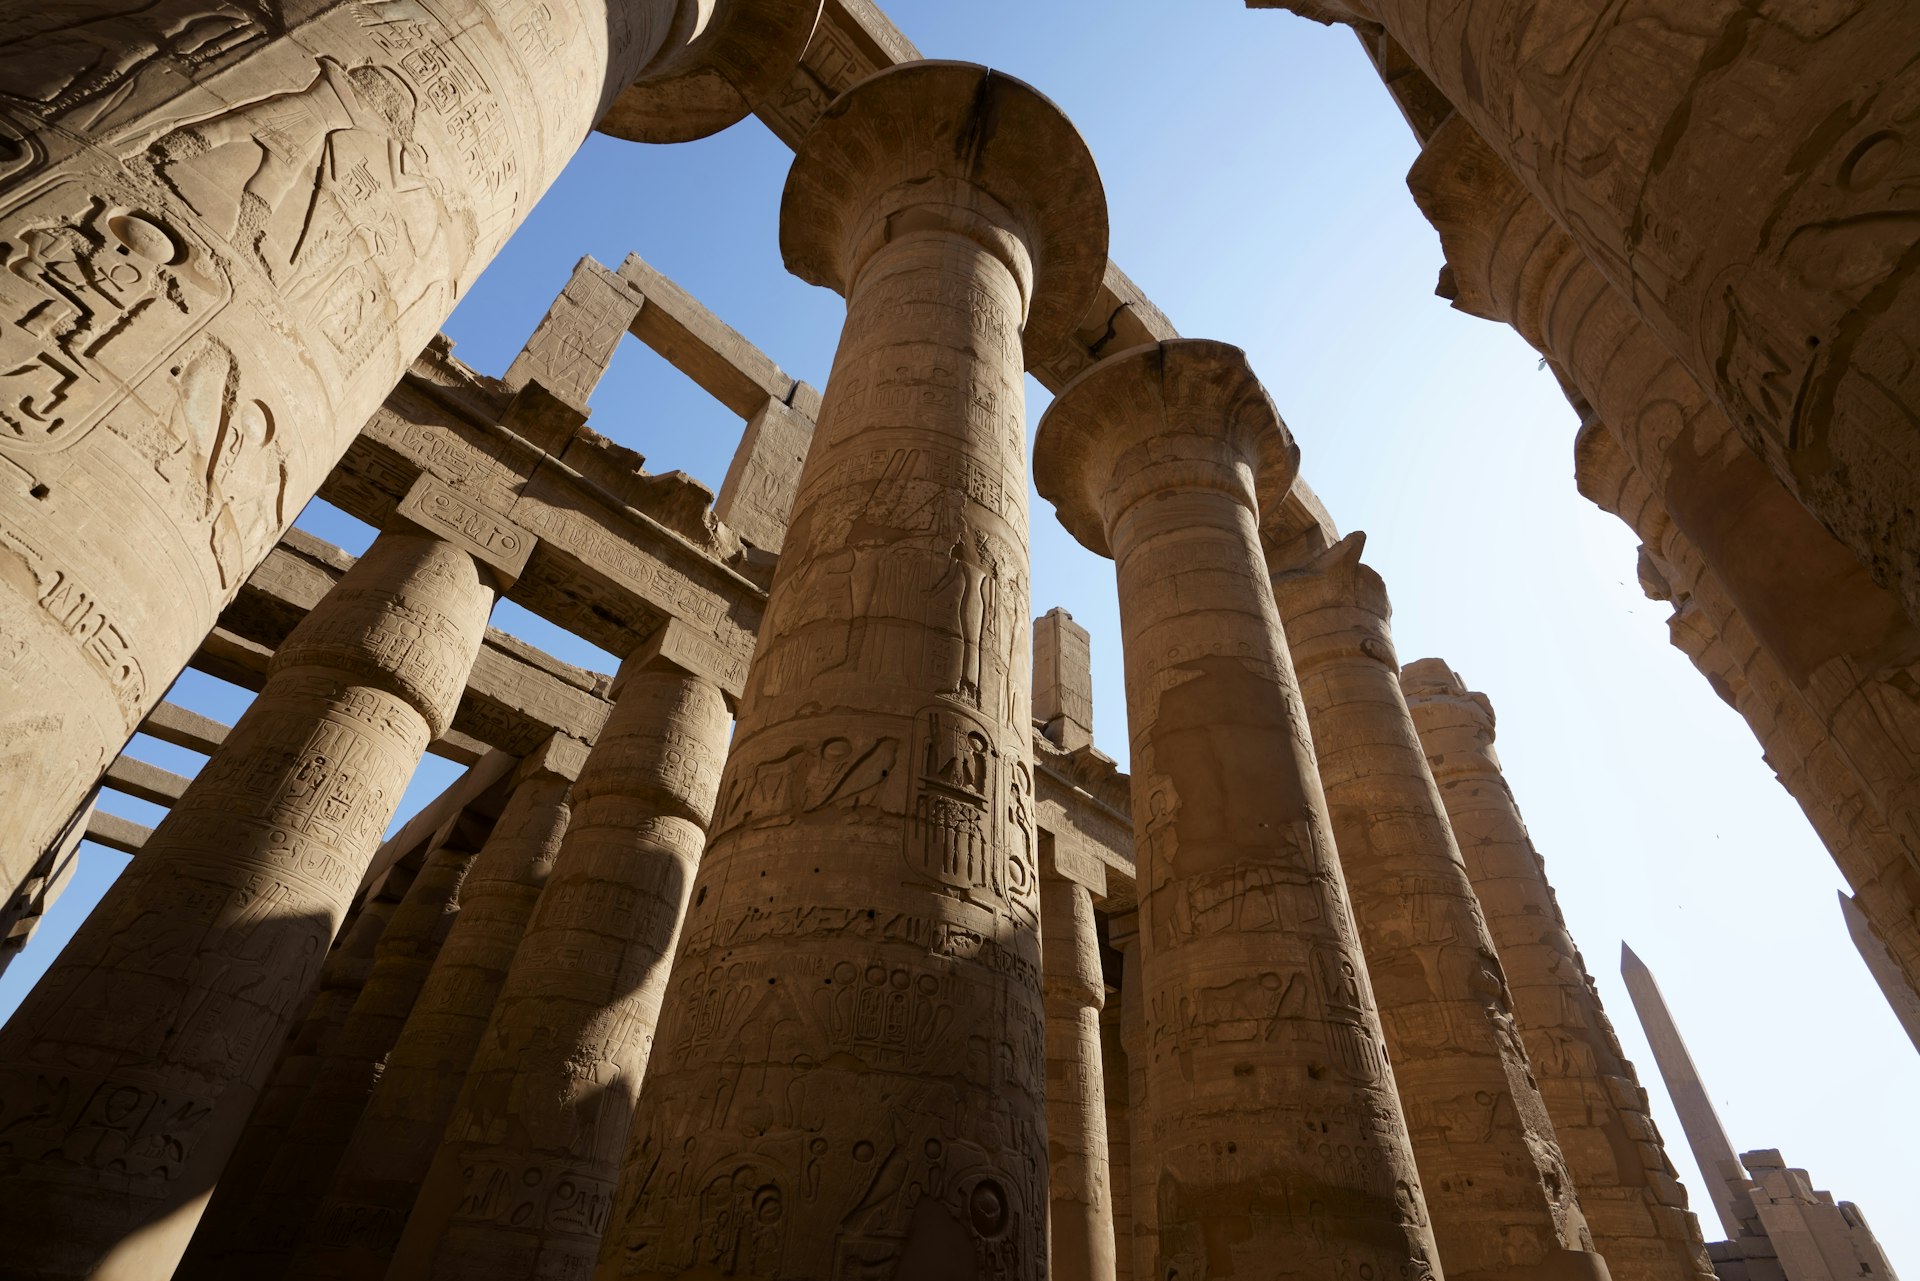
{"x":1333,"y":603}
{"x":713,"y":62}
{"x":1181,"y":414}
{"x":957,"y":147}
{"x":1429,"y":681}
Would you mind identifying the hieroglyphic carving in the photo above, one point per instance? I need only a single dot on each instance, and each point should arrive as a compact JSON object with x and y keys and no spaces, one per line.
{"x":1253,"y":969}
{"x":194,"y":962}
{"x":855,"y":1019}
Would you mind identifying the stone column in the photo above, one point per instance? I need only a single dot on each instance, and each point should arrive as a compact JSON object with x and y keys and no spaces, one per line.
{"x":1275,"y":1130}
{"x":1744,"y":174}
{"x":523,"y":1178}
{"x":257,"y":1211}
{"x":1502,"y":1202}
{"x":852,"y":1068}
{"x":1081,"y":1242}
{"x":228,"y":228}
{"x":353,"y":1232}
{"x":342,"y":975}
{"x":127,"y":1073}
{"x":1114,"y":1070}
{"x":1123,"y":932}
{"x":1634,"y":1204}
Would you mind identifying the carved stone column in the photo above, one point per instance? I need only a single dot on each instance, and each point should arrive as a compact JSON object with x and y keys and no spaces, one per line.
{"x":353,"y":1233}
{"x":1081,"y":1244}
{"x":1114,"y":1070}
{"x":228,"y":228}
{"x":342,"y":975}
{"x":1745,"y":176}
{"x":1503,"y":1204}
{"x":523,"y":1179}
{"x":1635,"y":1206}
{"x":258,"y":1210}
{"x":1142,"y":1210}
{"x":1260,"y":1022}
{"x":856,"y":1010}
{"x":127,"y":1073}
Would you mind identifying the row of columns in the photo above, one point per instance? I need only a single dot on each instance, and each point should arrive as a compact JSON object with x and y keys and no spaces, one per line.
{"x":863,"y":1038}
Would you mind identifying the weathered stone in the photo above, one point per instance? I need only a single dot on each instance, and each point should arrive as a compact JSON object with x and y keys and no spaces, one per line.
{"x":523,"y":1179}
{"x":1260,"y":1021}
{"x":353,"y":1232}
{"x":1599,"y":1111}
{"x":1741,"y":174}
{"x":156,"y":1028}
{"x":1497,"y":1186}
{"x":257,"y":1213}
{"x":1079,"y":1179}
{"x":1062,"y":680}
{"x":856,"y":1009}
{"x":228,"y":230}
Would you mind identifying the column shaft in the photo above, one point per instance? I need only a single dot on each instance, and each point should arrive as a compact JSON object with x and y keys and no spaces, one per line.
{"x":126,"y":1075}
{"x":353,"y":1233}
{"x":1633,"y":1202}
{"x":1142,"y":1192}
{"x":1741,"y":174}
{"x":1079,"y":1178}
{"x":1115,"y":1070}
{"x":342,"y":975}
{"x":1502,"y":1202}
{"x":228,"y":230}
{"x":852,"y":1065}
{"x":522,"y":1183}
{"x":1275,"y":1135}
{"x":257,"y":1212}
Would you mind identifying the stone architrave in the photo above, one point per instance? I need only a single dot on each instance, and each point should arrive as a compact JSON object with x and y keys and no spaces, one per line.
{"x":524,"y":1175}
{"x":1081,"y":1240}
{"x":1503,"y":1205}
{"x":1260,"y":1020}
{"x":1743,"y":173}
{"x":257,"y":1211}
{"x":228,"y":229}
{"x":1633,"y":1202}
{"x":127,"y":1074}
{"x":852,"y":1067}
{"x":353,"y":1232}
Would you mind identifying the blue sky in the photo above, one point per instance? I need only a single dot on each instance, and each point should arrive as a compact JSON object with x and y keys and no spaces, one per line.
{"x":1255,"y":175}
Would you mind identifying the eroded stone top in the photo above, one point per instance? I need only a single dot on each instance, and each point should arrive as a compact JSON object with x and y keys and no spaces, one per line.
{"x":713,"y":63}
{"x":980,"y":150}
{"x":1158,"y":416}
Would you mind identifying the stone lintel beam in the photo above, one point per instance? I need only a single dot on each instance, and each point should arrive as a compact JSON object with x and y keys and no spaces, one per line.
{"x":144,"y":782}
{"x":116,"y":833}
{"x":172,"y":723}
{"x":610,"y":566}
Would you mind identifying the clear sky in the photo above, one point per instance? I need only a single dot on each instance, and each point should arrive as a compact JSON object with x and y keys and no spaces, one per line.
{"x":1255,"y":176}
